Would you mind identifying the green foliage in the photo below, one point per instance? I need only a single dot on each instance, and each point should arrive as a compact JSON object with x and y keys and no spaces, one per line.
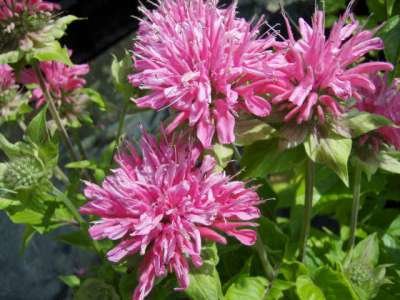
{"x":246,"y":287}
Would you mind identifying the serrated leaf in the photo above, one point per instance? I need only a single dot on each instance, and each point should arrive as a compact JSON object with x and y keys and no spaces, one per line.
{"x":96,"y":98}
{"x":265,"y":157}
{"x":246,"y":287}
{"x":37,"y":130}
{"x":120,"y":69}
{"x":363,"y":122}
{"x":334,"y":284}
{"x":58,"y":28}
{"x":250,"y":131}
{"x":332,"y":151}
{"x":366,"y":252}
{"x":307,"y":290}
{"x":389,"y":161}
{"x":52,"y":52}
{"x":204,"y":281}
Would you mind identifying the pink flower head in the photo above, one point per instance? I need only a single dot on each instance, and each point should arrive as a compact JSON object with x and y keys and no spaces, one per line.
{"x":162,"y":204}
{"x":385,"y":101}
{"x":193,"y":56}
{"x":61,"y":80}
{"x":13,"y":8}
{"x":7,"y":78}
{"x":323,"y":70}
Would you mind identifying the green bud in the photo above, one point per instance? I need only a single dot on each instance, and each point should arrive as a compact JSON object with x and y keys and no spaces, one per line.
{"x":23,"y":173}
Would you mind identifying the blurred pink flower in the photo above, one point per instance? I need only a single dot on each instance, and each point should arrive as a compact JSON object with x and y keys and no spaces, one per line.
{"x":162,"y":204}
{"x":61,"y":80}
{"x":12,"y":8}
{"x":385,"y":101}
{"x":7,"y":78}
{"x":193,"y":56}
{"x":322,"y":71}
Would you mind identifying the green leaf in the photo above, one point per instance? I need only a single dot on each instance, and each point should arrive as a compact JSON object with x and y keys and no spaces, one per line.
{"x":70,"y":280}
{"x":249,"y":131}
{"x":307,"y":290}
{"x":77,"y":239}
{"x":366,"y":252}
{"x":29,"y":233}
{"x":82,"y":164}
{"x":37,"y":130}
{"x":120,"y":69}
{"x":265,"y":157}
{"x":249,"y":288}
{"x":96,"y":98}
{"x":278,"y":288}
{"x":389,"y":161}
{"x":394,"y":228}
{"x":333,"y":284}
{"x":363,"y":122}
{"x":204,"y":281}
{"x":12,"y":150}
{"x":273,"y":238}
{"x":10,"y":57}
{"x":96,"y":289}
{"x":5,"y":203}
{"x":377,"y":8}
{"x":332,"y":151}
{"x":52,"y":52}
{"x":222,"y":153}
{"x":389,"y":34}
{"x":58,"y":28}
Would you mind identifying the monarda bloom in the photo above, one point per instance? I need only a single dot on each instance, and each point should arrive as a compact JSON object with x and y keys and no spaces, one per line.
{"x":385,"y":101}
{"x":61,"y":81}
{"x":14,"y":8}
{"x":7,"y":78}
{"x":192,"y":57}
{"x":163,"y":203}
{"x":323,"y":71}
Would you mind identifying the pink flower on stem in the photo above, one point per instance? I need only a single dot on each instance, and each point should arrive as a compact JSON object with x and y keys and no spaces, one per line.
{"x":61,"y":80}
{"x":322,"y":71}
{"x":7,"y":78}
{"x":192,"y":57}
{"x":385,"y":101}
{"x":162,"y":204}
{"x":13,"y":8}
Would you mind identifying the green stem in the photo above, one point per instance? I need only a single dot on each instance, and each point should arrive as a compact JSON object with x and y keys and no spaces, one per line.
{"x":54,"y":113}
{"x":121,"y":124}
{"x":262,"y":253}
{"x":308,"y":197}
{"x":356,"y":204}
{"x":71,"y":207}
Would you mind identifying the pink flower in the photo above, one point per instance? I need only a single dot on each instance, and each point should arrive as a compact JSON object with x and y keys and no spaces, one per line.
{"x":12,"y":8}
{"x":322,"y":71}
{"x":162,"y":204}
{"x":7,"y":78}
{"x":385,"y":101}
{"x":193,"y":56}
{"x":61,"y":80}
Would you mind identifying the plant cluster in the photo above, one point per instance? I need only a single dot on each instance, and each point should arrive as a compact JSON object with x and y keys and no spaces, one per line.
{"x":264,"y":135}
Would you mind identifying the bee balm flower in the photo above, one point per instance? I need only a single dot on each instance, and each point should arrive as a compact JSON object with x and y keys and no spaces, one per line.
{"x":61,"y":80}
{"x":384,"y":101}
{"x":162,"y":204}
{"x":6,"y":77}
{"x":322,"y":70}
{"x":192,"y":56}
{"x":13,"y":8}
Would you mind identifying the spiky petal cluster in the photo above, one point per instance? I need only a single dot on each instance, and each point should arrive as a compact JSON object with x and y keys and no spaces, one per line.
{"x":61,"y":80}
{"x":384,"y":101}
{"x":322,"y":71}
{"x":7,"y":78}
{"x":13,"y":8}
{"x":162,"y":204}
{"x":193,"y":56}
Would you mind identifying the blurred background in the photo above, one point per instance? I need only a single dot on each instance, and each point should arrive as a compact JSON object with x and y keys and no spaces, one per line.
{"x":107,"y":28}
